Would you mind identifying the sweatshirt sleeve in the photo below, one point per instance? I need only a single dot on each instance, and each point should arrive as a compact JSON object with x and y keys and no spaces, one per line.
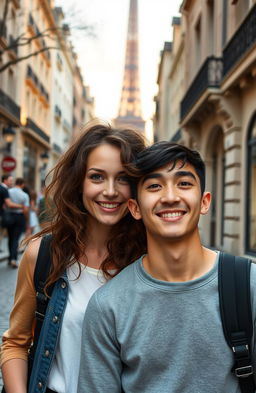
{"x":17,"y":339}
{"x":100,"y":365}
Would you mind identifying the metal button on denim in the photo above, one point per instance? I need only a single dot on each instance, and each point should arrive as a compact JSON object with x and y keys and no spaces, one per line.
{"x":63,"y":285}
{"x":40,"y":385}
{"x":47,"y":353}
{"x":55,"y":319}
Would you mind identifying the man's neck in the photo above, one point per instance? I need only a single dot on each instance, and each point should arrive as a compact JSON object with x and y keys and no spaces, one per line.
{"x":178,"y":261}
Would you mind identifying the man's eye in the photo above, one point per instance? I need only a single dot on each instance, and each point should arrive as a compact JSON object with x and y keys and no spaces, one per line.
{"x":185,"y":184}
{"x":96,"y":177}
{"x":153,"y":186}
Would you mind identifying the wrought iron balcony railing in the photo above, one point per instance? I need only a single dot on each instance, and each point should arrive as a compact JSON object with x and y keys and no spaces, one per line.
{"x":9,"y":105}
{"x":31,"y":124}
{"x":209,"y":76}
{"x":243,"y":40}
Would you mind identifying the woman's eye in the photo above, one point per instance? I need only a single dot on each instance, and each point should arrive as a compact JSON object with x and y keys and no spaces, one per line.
{"x":123,"y":179}
{"x":96,"y":177}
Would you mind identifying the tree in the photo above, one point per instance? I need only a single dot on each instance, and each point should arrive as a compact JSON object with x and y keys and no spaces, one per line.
{"x":56,"y":36}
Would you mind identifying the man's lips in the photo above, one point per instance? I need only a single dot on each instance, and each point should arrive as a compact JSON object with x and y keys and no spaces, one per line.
{"x":171,"y":214}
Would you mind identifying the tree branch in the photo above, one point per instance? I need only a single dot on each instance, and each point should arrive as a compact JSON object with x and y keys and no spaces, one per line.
{"x":18,"y":59}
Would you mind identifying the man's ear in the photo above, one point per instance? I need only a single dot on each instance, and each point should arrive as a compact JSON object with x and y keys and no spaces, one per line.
{"x":206,"y":202}
{"x":134,"y":209}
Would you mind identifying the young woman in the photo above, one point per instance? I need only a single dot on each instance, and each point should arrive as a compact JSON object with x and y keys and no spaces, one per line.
{"x":93,"y":238}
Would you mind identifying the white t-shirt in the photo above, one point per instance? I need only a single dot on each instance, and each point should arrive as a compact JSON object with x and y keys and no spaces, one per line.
{"x":65,"y":368}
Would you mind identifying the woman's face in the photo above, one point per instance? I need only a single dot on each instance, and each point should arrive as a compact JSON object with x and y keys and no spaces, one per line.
{"x":105,"y":187}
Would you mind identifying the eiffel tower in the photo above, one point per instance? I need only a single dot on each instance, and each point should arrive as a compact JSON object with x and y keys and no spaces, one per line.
{"x":130,"y":104}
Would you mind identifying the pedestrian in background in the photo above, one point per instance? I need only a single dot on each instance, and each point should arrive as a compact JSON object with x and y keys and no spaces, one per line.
{"x":19,"y":219}
{"x":33,"y":211}
{"x":5,"y":201}
{"x":93,"y":238}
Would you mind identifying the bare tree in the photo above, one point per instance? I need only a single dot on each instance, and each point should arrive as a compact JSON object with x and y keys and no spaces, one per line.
{"x":54,"y":35}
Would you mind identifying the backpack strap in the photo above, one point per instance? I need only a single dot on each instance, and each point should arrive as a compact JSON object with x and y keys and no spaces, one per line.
{"x":236,"y":315}
{"x":41,"y":273}
{"x":42,"y":269}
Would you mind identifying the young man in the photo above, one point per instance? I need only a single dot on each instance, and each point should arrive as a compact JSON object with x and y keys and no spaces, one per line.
{"x":156,"y":327}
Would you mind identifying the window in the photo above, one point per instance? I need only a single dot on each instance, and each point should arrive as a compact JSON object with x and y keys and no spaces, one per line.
{"x":29,"y":164}
{"x":251,"y":190}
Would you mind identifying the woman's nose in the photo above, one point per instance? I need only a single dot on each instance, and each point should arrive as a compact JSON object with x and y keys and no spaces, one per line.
{"x":110,"y":189}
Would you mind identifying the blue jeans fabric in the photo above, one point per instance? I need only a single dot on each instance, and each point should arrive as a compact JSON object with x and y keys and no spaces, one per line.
{"x":48,"y":339}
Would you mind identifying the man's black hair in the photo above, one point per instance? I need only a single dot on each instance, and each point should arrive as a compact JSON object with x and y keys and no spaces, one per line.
{"x":162,"y":153}
{"x":5,"y":177}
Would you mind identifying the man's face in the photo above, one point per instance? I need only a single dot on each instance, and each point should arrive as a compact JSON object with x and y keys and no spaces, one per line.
{"x":170,"y":202}
{"x":9,"y":181}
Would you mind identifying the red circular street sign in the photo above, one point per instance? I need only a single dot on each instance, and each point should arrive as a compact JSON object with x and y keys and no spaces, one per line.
{"x":8,"y":164}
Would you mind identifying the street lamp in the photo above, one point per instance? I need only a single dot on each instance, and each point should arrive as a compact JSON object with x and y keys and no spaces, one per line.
{"x":8,"y":135}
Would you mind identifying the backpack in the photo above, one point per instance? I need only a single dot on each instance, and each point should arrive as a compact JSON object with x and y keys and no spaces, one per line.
{"x":235,"y":309}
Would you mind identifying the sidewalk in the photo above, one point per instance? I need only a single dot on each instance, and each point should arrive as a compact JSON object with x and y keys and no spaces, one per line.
{"x":4,"y":253}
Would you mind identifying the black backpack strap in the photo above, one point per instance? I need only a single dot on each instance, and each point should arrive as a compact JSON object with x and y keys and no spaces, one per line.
{"x":236,"y":315}
{"x":41,"y":273}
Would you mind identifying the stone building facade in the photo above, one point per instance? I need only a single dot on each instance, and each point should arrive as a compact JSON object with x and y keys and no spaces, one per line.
{"x":218,"y":115}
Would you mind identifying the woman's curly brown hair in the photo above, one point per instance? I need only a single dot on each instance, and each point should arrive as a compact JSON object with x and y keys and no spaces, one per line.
{"x":68,"y":217}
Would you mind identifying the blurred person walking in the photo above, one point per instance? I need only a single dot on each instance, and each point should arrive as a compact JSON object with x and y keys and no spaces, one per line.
{"x":5,"y":201}
{"x":19,"y":219}
{"x":33,"y":211}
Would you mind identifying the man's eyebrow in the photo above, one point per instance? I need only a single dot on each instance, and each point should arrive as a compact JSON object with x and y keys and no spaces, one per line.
{"x":151,"y":176}
{"x":185,"y":173}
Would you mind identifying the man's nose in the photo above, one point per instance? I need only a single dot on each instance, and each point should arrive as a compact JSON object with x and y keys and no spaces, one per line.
{"x":170,"y":195}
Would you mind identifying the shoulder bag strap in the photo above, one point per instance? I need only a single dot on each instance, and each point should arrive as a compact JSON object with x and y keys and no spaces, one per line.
{"x":41,"y":273}
{"x":236,"y":315}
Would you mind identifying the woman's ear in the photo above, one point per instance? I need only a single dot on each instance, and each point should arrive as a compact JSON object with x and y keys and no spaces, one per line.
{"x":134,"y":209}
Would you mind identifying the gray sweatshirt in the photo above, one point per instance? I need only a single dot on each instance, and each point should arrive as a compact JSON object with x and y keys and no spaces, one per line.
{"x":142,"y":335}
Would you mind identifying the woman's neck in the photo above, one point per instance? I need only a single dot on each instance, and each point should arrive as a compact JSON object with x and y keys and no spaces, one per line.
{"x":96,"y":244}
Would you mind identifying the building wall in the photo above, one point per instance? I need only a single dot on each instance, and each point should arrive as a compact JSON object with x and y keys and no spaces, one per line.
{"x":218,"y":108}
{"x":30,"y":89}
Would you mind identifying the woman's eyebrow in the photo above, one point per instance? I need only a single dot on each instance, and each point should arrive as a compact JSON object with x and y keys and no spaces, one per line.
{"x":95,"y":169}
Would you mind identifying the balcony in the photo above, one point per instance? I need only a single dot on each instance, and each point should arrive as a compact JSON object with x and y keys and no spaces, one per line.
{"x":242,"y":41}
{"x":9,"y":106}
{"x":57,"y":112}
{"x":44,"y":96}
{"x":33,"y":126}
{"x":31,"y":24}
{"x":209,"y":76}
{"x":32,"y":79}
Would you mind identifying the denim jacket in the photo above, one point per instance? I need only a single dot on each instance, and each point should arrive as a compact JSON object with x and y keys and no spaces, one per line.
{"x":49,"y":335}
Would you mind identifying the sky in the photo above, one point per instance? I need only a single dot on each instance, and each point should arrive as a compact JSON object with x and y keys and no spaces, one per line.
{"x":101,"y":58}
